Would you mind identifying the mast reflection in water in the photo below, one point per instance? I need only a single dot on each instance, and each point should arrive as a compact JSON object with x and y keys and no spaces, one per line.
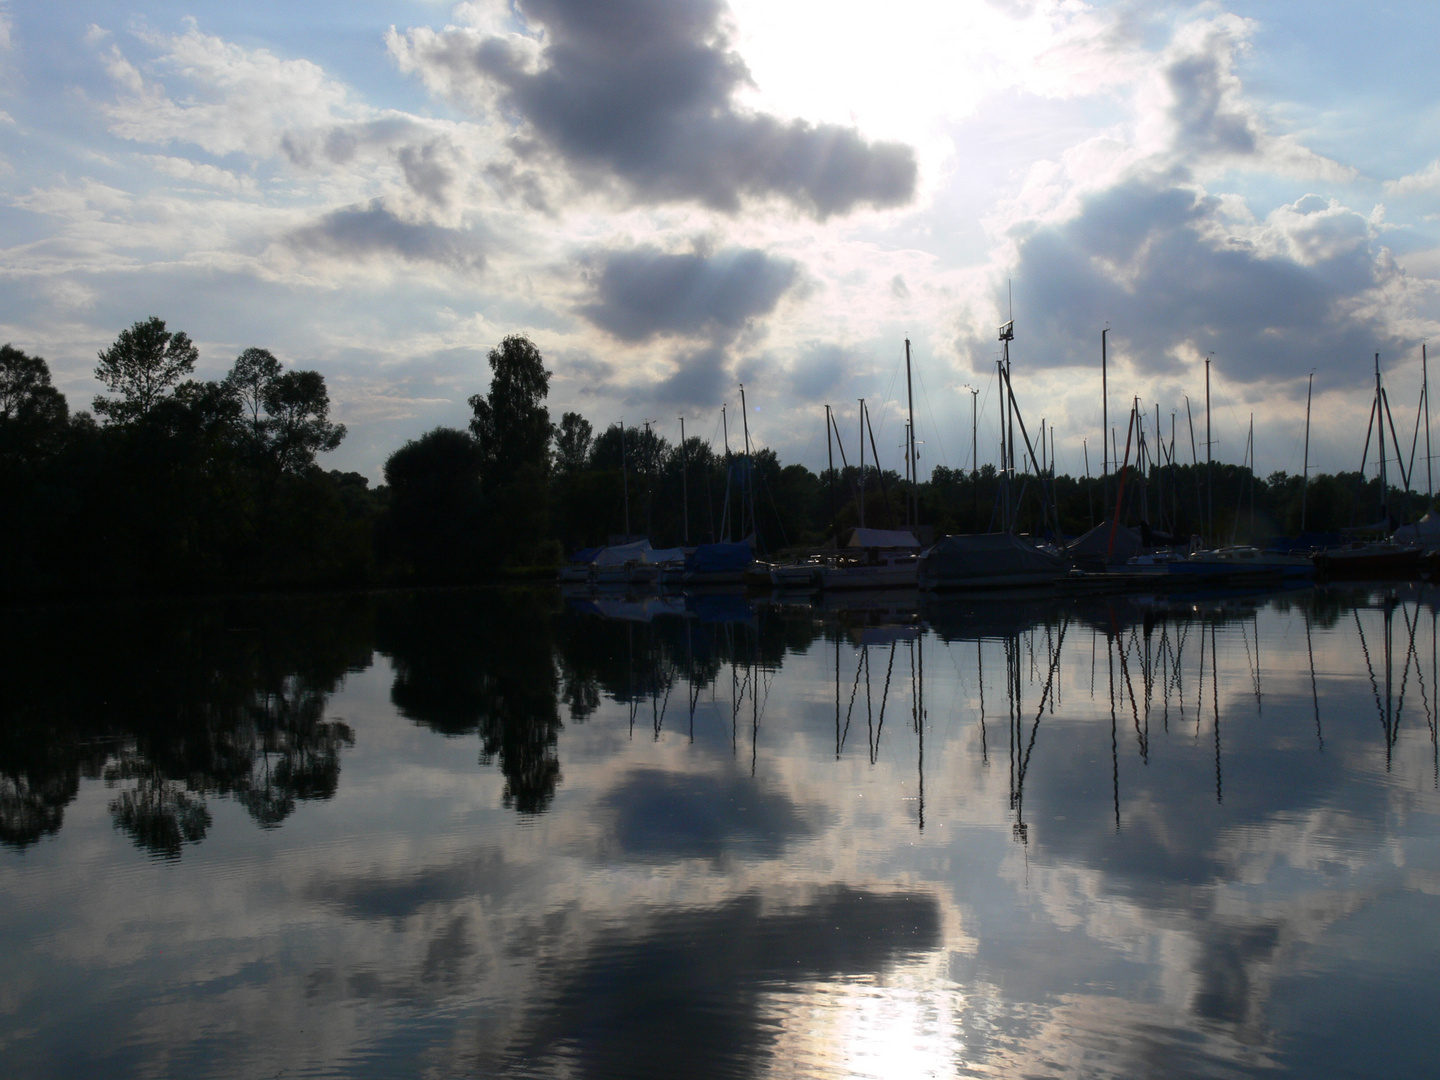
{"x":484,"y":834}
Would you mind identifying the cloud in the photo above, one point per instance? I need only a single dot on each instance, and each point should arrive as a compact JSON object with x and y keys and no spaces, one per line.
{"x":1427,"y":179}
{"x":700,"y":377}
{"x":709,"y":967}
{"x":662,"y":816}
{"x":1176,"y":279}
{"x":643,"y":292}
{"x":1206,"y":108}
{"x":1206,"y":115}
{"x":357,"y":232}
{"x":200,"y":173}
{"x":238,"y":100}
{"x":643,"y":92}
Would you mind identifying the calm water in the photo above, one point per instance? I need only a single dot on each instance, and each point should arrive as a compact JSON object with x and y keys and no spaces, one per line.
{"x":480,"y":834}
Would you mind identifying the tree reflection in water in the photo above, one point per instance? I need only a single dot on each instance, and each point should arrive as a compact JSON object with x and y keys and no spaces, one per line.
{"x":482,"y":662}
{"x":176,"y":704}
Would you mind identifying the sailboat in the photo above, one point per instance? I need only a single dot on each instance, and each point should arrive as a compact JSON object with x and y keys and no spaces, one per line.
{"x":1387,"y":557}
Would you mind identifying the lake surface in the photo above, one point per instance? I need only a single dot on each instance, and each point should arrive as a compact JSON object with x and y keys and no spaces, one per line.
{"x":510,"y":834}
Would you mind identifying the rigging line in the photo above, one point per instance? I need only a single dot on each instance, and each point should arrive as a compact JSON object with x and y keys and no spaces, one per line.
{"x":664,"y":703}
{"x":885,"y":693}
{"x":935,"y":427}
{"x":1176,"y":648}
{"x":1123,"y":650}
{"x":885,"y":401}
{"x":1314,"y":690}
{"x":1044,"y":696}
{"x":1250,"y":666}
{"x":1419,"y":668}
{"x":1374,"y":686}
{"x":853,"y":689}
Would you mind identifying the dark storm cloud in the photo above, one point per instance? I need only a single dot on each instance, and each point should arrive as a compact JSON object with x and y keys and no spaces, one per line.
{"x":357,"y":232}
{"x":644,"y":292}
{"x":643,"y":90}
{"x":1153,"y":258}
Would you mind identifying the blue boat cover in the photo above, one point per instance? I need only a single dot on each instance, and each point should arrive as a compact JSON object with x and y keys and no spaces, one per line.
{"x":585,"y":555}
{"x":719,"y":558}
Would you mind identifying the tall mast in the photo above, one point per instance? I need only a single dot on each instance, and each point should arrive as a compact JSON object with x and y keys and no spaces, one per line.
{"x":1104,"y":422}
{"x":1209,"y":468}
{"x":725,"y":429}
{"x":1003,"y":476}
{"x":862,"y":462}
{"x":684,"y":486}
{"x":1380,"y":423}
{"x":1007,"y":418}
{"x":1425,"y":377}
{"x":748,"y":483}
{"x":975,"y":455}
{"x":834,"y":512}
{"x":647,"y":445}
{"x":1305,"y":480}
{"x":625,"y":479}
{"x":910,"y":443}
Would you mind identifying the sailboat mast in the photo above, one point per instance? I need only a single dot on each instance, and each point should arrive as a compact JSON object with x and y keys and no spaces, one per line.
{"x":910,"y":444}
{"x":1425,"y":385}
{"x":1305,"y":479}
{"x":834,"y":511}
{"x":862,"y":462}
{"x":747,"y":484}
{"x":1380,"y":423}
{"x":625,"y":479}
{"x":725,"y":515}
{"x":684,"y":487}
{"x":1104,"y":422}
{"x":1209,"y":468}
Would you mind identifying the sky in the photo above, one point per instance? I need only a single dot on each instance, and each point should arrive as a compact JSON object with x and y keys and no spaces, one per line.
{"x":674,"y":197}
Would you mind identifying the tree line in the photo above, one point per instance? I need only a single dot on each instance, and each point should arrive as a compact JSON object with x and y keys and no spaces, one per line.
{"x":178,"y":484}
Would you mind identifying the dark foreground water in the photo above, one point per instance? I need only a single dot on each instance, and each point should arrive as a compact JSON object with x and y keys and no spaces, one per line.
{"x":481,"y":834}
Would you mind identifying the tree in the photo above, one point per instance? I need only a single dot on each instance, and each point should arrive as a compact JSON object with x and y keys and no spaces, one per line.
{"x":433,"y":521}
{"x":254,"y":371}
{"x":32,"y":412}
{"x":572,"y":443}
{"x":298,"y":413}
{"x":143,"y":364}
{"x":512,"y":424}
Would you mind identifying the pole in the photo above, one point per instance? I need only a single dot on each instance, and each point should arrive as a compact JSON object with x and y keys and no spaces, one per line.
{"x":625,"y":480}
{"x":725,"y":428}
{"x":909,"y":479}
{"x":1089,"y":487}
{"x":1380,"y":423}
{"x":1159,"y":476}
{"x":862,"y":462}
{"x":1425,"y":382}
{"x":975,"y":455}
{"x":1305,"y":480}
{"x":647,"y":445}
{"x":1209,"y":467}
{"x":834,"y":510}
{"x":910,"y":441}
{"x":1105,"y":419}
{"x":748,"y":484}
{"x":684,"y":486}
